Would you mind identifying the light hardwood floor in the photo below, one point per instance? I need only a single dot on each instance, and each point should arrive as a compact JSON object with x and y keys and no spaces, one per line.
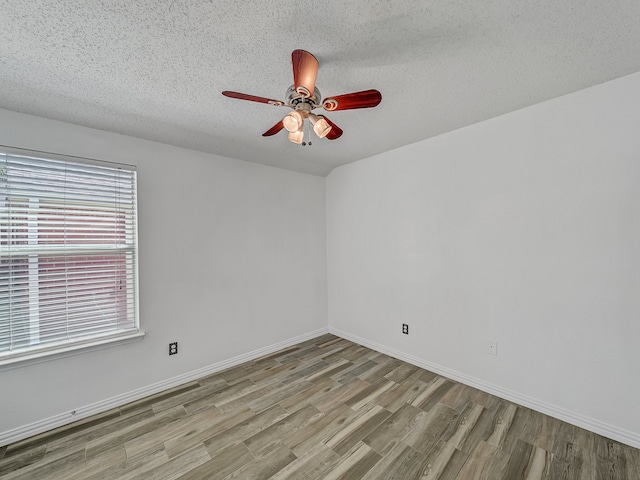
{"x":324,"y":409}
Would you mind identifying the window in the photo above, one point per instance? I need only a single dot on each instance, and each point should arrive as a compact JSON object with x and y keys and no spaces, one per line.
{"x":68,"y":248}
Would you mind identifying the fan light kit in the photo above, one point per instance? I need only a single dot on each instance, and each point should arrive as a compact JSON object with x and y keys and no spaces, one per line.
{"x":303,"y":97}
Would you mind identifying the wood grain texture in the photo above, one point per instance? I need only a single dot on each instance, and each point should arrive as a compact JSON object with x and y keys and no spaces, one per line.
{"x":323,"y":409}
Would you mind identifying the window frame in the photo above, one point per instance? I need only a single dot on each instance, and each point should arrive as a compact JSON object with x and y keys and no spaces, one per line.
{"x":71,"y":346}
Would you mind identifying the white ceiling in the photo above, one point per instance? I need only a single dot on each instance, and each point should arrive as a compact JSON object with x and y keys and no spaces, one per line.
{"x":154,"y":69}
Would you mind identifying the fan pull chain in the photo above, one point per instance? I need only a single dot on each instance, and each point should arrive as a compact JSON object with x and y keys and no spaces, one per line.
{"x":308,"y":134}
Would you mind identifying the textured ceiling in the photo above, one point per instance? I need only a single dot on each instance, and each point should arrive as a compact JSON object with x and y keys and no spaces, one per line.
{"x":154,"y":69}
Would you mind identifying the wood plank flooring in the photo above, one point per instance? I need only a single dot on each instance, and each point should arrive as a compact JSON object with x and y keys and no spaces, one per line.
{"x":324,"y":409}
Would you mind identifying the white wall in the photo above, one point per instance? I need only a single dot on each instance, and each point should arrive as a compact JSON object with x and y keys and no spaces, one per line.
{"x":523,"y":229}
{"x":232,"y":260}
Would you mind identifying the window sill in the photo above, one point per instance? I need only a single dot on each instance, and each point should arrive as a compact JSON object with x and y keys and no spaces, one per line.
{"x":45,"y":355}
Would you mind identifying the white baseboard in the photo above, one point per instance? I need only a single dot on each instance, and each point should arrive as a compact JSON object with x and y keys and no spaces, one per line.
{"x":601,"y":428}
{"x":66,"y":418}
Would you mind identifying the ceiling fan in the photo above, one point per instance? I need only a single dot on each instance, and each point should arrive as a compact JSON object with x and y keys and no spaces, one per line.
{"x":303,"y":97}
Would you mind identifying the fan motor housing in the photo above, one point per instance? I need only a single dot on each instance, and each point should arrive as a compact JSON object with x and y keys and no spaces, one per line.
{"x":294,"y":98}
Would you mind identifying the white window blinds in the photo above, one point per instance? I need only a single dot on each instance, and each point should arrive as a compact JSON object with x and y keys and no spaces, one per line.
{"x":68,"y":250}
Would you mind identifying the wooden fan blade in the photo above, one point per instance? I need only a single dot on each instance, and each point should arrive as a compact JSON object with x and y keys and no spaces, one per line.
{"x":273,"y":130}
{"x":335,"y":132}
{"x":348,"y":101}
{"x":251,"y":98}
{"x":305,"y":69}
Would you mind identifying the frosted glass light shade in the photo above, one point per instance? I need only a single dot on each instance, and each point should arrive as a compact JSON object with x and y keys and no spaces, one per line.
{"x":296,"y":137}
{"x":320,"y":126}
{"x":293,"y":121}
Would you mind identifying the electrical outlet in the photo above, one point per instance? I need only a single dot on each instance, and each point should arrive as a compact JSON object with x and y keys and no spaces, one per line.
{"x":173,"y":348}
{"x":491,"y":347}
{"x":405,"y":329}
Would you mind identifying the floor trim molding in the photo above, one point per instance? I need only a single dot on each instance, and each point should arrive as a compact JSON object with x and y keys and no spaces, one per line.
{"x":41,"y":426}
{"x":610,"y":431}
